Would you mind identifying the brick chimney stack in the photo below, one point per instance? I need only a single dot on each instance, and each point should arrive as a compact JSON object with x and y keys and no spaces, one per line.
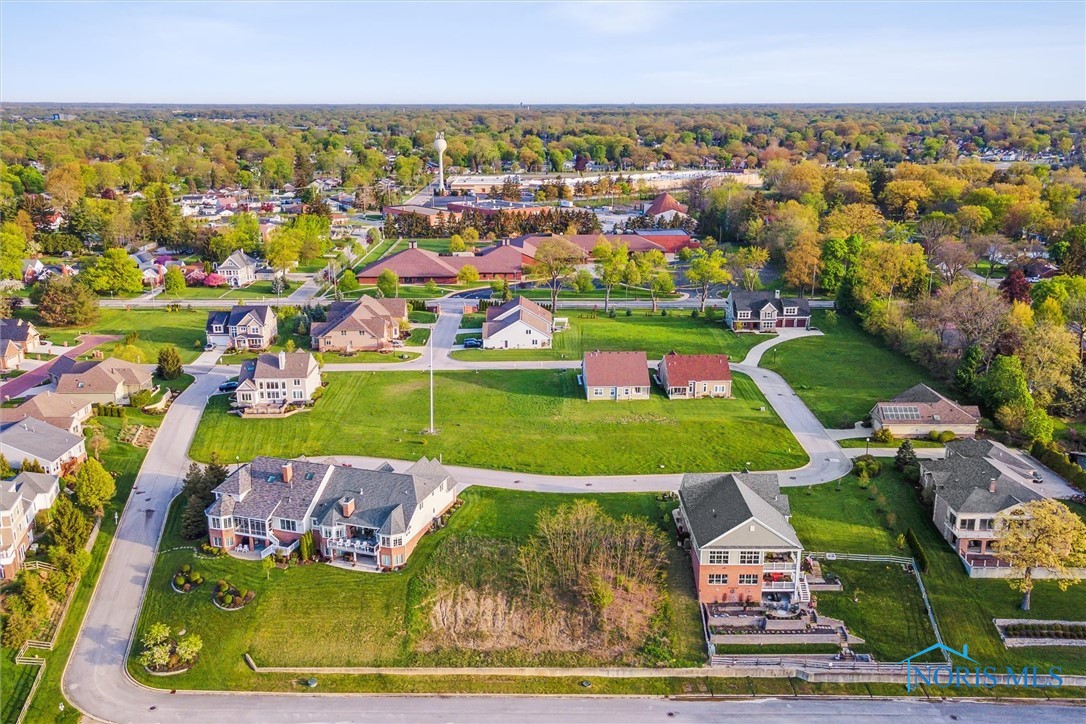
{"x":991,"y":485}
{"x":288,"y":473}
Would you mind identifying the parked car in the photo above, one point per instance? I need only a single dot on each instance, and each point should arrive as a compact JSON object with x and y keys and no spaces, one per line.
{"x":228,"y":386}
{"x":473,"y":343}
{"x":397,"y":343}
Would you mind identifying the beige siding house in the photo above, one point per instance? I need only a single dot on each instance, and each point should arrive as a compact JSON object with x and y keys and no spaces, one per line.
{"x":920,"y":410}
{"x":239,"y":269}
{"x":615,"y":376}
{"x":693,"y":376}
{"x":366,"y":325}
{"x":243,"y":327}
{"x":108,"y":381}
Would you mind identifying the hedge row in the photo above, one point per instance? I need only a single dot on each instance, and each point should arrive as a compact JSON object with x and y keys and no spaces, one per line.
{"x":1054,"y":458}
{"x":919,"y":554}
{"x":108,"y":410}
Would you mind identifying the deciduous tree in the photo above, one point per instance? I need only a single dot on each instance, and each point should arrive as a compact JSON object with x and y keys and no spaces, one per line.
{"x":555,"y":261}
{"x":706,"y":271}
{"x":94,"y":487}
{"x":1041,"y":534}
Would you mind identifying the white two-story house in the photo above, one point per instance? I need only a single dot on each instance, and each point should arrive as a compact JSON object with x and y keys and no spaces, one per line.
{"x":286,"y":378}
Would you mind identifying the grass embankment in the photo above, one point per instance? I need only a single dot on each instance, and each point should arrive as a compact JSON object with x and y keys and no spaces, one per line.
{"x":299,"y":614}
{"x":530,"y":421}
{"x":125,"y":460}
{"x":888,"y":615}
{"x":656,"y":335}
{"x":843,"y":374}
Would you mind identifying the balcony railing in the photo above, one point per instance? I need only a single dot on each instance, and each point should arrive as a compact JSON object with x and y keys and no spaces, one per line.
{"x":779,"y":566}
{"x":778,"y":585}
{"x":354,"y":545}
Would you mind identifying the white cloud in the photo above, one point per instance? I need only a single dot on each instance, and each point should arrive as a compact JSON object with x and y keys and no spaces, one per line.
{"x":615,"y":17}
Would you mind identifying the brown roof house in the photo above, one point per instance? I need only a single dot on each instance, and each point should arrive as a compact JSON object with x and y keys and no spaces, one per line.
{"x":17,"y":338}
{"x":665,"y":207}
{"x":111,"y":380}
{"x":615,"y":376}
{"x":920,"y":410}
{"x":67,"y":412}
{"x":695,"y":375}
{"x":273,"y":381}
{"x":367,"y":324}
{"x":518,"y":324}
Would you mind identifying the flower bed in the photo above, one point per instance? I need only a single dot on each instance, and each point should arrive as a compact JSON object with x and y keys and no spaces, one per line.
{"x":186,"y":579}
{"x":229,"y":598}
{"x":1076,"y":632}
{"x":165,"y":655}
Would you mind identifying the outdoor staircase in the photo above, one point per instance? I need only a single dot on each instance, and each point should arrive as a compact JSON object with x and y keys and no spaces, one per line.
{"x":803,"y":591}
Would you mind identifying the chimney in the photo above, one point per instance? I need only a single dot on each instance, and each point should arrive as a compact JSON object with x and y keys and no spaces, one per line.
{"x":346,"y":506}
{"x":282,"y":360}
{"x":776,"y":293}
{"x":991,"y":485}
{"x":288,"y":472}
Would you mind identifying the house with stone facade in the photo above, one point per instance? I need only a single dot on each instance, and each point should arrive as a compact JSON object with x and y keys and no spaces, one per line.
{"x":243,"y":327}
{"x":367,"y":324}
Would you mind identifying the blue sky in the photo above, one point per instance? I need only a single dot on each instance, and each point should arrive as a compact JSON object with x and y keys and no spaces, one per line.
{"x":513,"y":52}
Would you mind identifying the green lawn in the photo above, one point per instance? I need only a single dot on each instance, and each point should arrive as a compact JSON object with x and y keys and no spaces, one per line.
{"x":419,"y":317}
{"x":156,"y":328}
{"x":656,"y":335}
{"x":194,"y":292}
{"x":848,"y":521}
{"x":300,"y":614}
{"x":843,"y":374}
{"x":473,"y":321}
{"x":419,"y":337}
{"x":854,"y":442}
{"x":998,"y":271}
{"x":125,"y":460}
{"x":414,"y":291}
{"x":618,"y":295}
{"x":531,"y":421}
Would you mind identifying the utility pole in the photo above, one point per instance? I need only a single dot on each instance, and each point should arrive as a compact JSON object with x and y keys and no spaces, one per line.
{"x":431,"y":342}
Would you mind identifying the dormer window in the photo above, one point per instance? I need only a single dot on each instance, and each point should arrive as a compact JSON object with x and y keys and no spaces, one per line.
{"x":790,"y":310}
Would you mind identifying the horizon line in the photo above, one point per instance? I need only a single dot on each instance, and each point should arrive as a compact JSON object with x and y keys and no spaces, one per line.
{"x":517,"y":104}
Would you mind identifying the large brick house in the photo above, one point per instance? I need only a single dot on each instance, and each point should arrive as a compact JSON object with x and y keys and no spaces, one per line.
{"x":615,"y":376}
{"x":693,"y":376}
{"x":920,"y":410}
{"x":367,"y":324}
{"x":765,"y":311}
{"x":244,"y":327}
{"x":369,"y":519}
{"x":977,"y":481}
{"x":742,"y":546}
{"x":518,"y":324}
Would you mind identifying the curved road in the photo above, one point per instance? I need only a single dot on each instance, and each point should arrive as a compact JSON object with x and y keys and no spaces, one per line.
{"x":96,"y":682}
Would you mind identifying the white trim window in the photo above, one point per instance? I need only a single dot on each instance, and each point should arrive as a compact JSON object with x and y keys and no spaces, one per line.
{"x":748,"y":579}
{"x":718,"y":557}
{"x":750,"y":558}
{"x":718,"y":579}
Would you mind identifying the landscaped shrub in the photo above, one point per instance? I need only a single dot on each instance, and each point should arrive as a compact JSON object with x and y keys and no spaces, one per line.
{"x":1052,"y":456}
{"x":141,"y":398}
{"x":629,"y":312}
{"x":946,"y":436}
{"x":882,"y":435}
{"x":919,"y":555}
{"x":179,"y":581}
{"x":868,"y":464}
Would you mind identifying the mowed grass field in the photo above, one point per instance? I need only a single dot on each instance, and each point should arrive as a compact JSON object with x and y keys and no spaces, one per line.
{"x":656,"y":335}
{"x":889,"y":614}
{"x":155,"y":327}
{"x":316,"y":615}
{"x":843,"y":374}
{"x":530,"y":421}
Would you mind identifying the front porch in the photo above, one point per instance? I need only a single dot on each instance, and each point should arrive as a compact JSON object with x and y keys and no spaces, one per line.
{"x":353,"y":547}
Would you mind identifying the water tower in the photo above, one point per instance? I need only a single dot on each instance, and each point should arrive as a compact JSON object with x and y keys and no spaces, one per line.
{"x":440,"y":146}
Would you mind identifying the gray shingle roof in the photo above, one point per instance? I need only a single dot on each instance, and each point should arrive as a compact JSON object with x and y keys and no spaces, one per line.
{"x":756,"y":301}
{"x":715,"y":504}
{"x":383,"y":500}
{"x":963,"y":478}
{"x":38,"y":438}
{"x":283,"y":365}
{"x":263,"y":315}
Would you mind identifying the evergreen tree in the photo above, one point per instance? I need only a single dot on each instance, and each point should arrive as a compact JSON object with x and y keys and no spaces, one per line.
{"x":906,"y":456}
{"x":70,"y":528}
{"x":199,"y":482}
{"x":169,"y":363}
{"x":969,"y":370}
{"x":94,"y":486}
{"x":31,"y":466}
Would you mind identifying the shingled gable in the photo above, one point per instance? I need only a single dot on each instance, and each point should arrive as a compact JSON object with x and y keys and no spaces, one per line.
{"x":616,"y":369}
{"x":663,"y":203}
{"x":682,"y":369}
{"x":930,"y":408}
{"x":716,"y":504}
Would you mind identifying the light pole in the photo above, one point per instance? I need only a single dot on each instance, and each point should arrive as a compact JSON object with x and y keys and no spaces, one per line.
{"x":867,"y":445}
{"x":431,"y":342}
